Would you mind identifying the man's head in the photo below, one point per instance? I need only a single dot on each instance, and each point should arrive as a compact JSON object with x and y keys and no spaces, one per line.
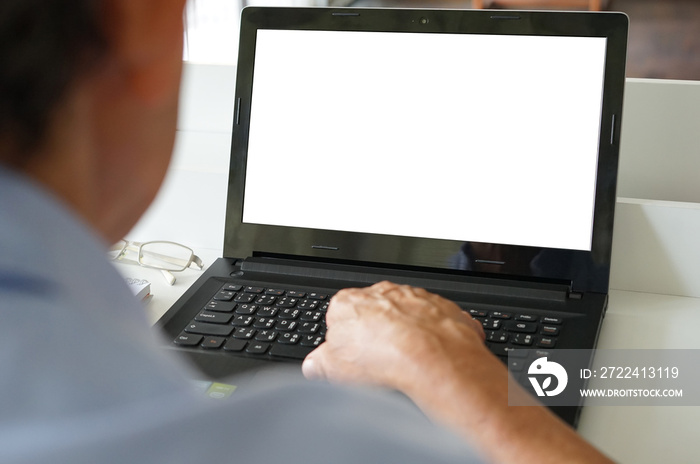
{"x":44,"y":46}
{"x":88,"y":100}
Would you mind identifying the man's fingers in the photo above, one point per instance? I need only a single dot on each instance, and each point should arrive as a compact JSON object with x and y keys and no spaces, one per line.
{"x":384,"y":287}
{"x":412,"y":302}
{"x":312,"y":367}
{"x":479,"y":328}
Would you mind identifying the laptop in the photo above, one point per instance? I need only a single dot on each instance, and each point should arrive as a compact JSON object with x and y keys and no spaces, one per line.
{"x":473,"y":153}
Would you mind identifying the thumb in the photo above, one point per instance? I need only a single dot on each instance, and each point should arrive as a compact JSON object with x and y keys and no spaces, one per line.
{"x":312,"y":367}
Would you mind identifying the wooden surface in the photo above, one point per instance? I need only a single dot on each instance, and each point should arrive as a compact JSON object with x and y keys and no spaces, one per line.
{"x":592,"y":5}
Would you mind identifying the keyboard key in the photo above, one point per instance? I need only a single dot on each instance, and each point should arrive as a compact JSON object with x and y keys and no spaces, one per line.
{"x":546,"y":342}
{"x":264,"y":323}
{"x":311,"y":316}
{"x":185,"y":339}
{"x":311,"y":340}
{"x":246,"y":308}
{"x":267,"y":311}
{"x":257,"y":348}
{"x":244,"y":333}
{"x":287,"y":302}
{"x":286,"y":325}
{"x":289,"y":313}
{"x":549,"y":330}
{"x":214,"y":318}
{"x":289,"y":338}
{"x":235,"y":345}
{"x":308,"y":304}
{"x":317,"y":296}
{"x":232,"y":287}
{"x":244,"y":298}
{"x":204,"y":328}
{"x":266,"y":335}
{"x":499,"y":315}
{"x":274,"y":292}
{"x":504,"y":350}
{"x":552,"y":320}
{"x":224,"y":295}
{"x":515,"y":365}
{"x":213,"y":342}
{"x":308,"y":328}
{"x":243,"y":321}
{"x":496,"y":337}
{"x":542,"y":353}
{"x":266,"y":300}
{"x":296,"y":294}
{"x":491,"y":324}
{"x":526,"y":318}
{"x":527,"y":327}
{"x":522,"y":339}
{"x":255,"y":290}
{"x":220,"y":306}
{"x":290,"y":351}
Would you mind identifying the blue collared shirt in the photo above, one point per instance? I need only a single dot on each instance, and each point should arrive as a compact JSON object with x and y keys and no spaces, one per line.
{"x":82,"y":379}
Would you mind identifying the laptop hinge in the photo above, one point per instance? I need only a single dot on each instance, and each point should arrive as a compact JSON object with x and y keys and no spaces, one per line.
{"x":442,"y":282}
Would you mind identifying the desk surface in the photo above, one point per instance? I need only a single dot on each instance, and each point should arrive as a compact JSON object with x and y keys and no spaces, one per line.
{"x":634,"y":320}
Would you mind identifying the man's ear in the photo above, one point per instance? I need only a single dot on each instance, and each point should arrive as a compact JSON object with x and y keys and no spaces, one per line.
{"x":146,"y":38}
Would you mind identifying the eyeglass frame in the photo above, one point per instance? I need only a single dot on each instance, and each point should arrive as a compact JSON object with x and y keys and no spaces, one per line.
{"x":137,"y":247}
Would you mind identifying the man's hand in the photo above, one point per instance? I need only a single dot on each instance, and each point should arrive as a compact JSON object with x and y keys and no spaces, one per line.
{"x":388,"y":334}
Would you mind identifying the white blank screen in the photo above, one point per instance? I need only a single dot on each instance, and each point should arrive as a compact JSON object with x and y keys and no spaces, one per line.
{"x":481,"y":138}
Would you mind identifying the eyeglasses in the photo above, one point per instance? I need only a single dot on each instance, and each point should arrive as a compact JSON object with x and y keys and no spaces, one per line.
{"x":167,"y":257}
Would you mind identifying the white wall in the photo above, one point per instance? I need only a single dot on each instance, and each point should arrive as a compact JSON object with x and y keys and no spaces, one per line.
{"x":656,"y":246}
{"x":191,"y":205}
{"x":660,"y":151}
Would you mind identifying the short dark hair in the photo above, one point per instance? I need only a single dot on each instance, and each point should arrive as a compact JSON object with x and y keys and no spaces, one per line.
{"x":44,"y":46}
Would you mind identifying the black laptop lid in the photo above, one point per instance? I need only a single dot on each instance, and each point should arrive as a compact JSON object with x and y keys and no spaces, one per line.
{"x":461,"y":141}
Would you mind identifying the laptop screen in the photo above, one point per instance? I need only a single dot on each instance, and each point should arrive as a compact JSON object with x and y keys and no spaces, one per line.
{"x":465,"y":141}
{"x":466,"y":137}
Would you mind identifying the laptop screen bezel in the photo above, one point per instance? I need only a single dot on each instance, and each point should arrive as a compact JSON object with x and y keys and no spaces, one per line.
{"x":585,"y":270}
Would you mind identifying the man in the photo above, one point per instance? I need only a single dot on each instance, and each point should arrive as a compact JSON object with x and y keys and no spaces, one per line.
{"x":88,"y":102}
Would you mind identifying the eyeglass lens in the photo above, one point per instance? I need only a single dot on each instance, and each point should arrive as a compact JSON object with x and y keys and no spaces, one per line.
{"x":116,"y":250}
{"x":165,"y":255}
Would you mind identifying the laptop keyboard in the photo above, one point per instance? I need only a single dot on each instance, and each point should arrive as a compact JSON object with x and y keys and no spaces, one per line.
{"x":283,"y":323}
